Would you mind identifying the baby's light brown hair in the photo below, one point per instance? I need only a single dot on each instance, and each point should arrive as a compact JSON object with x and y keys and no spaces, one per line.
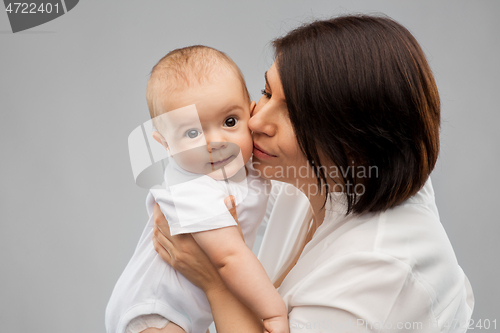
{"x":182,"y":68}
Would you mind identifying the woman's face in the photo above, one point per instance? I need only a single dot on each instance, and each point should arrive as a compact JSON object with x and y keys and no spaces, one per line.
{"x":276,"y":152}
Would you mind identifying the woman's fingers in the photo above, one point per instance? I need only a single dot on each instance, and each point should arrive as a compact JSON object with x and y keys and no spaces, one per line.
{"x":160,"y":221}
{"x":161,"y":250}
{"x":161,"y":236}
{"x":231,"y":206}
{"x":183,"y":253}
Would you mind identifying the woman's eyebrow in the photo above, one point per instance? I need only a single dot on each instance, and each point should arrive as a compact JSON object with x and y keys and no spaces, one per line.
{"x":267,"y":82}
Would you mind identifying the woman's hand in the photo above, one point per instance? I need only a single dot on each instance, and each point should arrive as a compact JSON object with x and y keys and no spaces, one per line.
{"x":183,"y":253}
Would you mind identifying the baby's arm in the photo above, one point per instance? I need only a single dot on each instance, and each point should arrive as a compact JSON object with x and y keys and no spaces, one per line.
{"x":244,"y":275}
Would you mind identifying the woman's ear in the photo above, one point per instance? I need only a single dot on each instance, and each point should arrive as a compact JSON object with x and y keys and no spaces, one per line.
{"x":252,"y":107}
{"x":160,"y":139}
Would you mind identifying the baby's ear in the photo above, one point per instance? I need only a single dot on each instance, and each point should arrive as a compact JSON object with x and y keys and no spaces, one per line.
{"x":252,"y":107}
{"x":160,"y":139}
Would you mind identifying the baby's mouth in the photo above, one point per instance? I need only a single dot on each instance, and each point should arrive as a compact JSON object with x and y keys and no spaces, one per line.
{"x":220,"y":163}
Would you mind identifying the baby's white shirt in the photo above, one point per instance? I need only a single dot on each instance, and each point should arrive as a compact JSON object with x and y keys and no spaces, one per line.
{"x":149,"y":285}
{"x":195,"y":202}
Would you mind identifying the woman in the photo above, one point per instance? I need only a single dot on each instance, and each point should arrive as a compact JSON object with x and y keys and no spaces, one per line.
{"x":352,"y":100}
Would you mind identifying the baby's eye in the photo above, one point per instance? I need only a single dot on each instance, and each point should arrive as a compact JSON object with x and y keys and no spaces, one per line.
{"x":230,"y":122}
{"x":192,"y":133}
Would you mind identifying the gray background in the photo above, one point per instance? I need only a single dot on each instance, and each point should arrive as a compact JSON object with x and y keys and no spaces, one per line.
{"x":73,"y":89}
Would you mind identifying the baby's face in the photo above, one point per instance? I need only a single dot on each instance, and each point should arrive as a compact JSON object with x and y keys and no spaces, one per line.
{"x":207,"y":127}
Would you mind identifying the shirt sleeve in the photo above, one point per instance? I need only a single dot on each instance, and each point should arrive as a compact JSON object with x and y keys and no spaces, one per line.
{"x":361,"y":292}
{"x":193,"y":206}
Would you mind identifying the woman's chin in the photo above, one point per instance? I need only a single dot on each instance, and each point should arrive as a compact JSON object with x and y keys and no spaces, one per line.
{"x":263,"y":169}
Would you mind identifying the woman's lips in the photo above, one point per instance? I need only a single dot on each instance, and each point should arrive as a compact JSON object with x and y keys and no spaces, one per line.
{"x":261,"y":154}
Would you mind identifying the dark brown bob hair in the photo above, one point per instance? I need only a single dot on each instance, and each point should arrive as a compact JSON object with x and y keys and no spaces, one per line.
{"x":359,"y":89}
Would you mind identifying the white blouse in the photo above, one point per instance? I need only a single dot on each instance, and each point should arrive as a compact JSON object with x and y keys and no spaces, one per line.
{"x":384,"y":272}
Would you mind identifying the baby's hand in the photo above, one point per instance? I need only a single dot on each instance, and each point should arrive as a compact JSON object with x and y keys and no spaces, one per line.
{"x":276,"y":325}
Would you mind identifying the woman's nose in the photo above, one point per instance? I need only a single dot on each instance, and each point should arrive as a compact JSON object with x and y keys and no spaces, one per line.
{"x":262,"y":121}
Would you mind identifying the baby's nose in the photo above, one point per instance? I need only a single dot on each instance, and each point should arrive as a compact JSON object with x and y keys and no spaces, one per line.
{"x":216,"y":145}
{"x":215,"y":140}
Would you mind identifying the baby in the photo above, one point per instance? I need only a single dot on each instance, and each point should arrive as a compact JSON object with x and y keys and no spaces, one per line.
{"x":200,"y":108}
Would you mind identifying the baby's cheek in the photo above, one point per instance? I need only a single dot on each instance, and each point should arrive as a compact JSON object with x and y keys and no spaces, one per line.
{"x":247,"y":149}
{"x":191,"y":161}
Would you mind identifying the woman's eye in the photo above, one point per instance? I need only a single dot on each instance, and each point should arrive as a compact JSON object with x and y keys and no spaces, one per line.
{"x":192,"y":133}
{"x":230,"y":122}
{"x":265,"y":93}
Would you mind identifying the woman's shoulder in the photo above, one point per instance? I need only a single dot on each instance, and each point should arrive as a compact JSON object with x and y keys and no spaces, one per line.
{"x":402,"y":255}
{"x":375,"y":287}
{"x":408,"y":232}
{"x":411,"y":235}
